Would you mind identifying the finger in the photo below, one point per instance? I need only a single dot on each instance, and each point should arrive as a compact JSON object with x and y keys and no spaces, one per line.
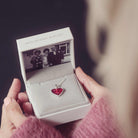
{"x":22,"y":97}
{"x":14,"y":89}
{"x":25,"y":104}
{"x":6,"y":125}
{"x":4,"y":121}
{"x":88,"y":83}
{"x":3,"y":117}
{"x":28,"y":109}
{"x":14,"y":112}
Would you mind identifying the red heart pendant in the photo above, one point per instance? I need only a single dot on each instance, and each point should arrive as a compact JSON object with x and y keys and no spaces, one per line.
{"x":57,"y":91}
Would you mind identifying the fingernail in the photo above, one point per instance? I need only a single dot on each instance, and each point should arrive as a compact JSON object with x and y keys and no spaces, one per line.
{"x":7,"y":100}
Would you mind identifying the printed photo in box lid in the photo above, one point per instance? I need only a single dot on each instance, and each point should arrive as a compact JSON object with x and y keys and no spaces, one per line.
{"x":46,"y":56}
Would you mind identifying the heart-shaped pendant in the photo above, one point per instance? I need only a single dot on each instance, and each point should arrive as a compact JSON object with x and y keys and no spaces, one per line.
{"x":57,"y":91}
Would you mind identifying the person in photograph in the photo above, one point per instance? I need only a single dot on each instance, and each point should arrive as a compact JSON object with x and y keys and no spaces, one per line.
{"x":59,"y":57}
{"x":46,"y":57}
{"x":52,"y":56}
{"x":63,"y":49}
{"x":36,"y":60}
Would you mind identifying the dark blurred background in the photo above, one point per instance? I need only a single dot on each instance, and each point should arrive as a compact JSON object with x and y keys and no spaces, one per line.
{"x":22,"y":18}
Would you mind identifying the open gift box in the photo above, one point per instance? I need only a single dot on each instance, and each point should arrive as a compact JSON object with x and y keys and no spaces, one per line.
{"x":47,"y":66}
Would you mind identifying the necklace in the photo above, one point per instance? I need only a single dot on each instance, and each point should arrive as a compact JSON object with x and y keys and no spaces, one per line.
{"x":58,"y":90}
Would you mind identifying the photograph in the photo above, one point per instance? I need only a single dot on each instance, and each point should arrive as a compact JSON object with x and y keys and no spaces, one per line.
{"x":46,"y":56}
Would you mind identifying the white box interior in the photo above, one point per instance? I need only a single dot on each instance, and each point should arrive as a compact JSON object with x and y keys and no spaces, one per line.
{"x":48,"y":103}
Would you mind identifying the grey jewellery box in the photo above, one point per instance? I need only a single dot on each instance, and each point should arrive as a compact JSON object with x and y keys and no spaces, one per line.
{"x":47,"y":67}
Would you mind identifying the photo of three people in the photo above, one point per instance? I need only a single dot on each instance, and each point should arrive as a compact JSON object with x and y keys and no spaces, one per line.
{"x":46,"y":57}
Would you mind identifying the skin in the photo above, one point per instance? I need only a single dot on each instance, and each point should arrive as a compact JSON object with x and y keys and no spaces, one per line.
{"x":46,"y":53}
{"x":16,"y":105}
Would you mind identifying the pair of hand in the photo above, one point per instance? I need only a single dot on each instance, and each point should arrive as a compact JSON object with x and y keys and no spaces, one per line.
{"x":16,"y":103}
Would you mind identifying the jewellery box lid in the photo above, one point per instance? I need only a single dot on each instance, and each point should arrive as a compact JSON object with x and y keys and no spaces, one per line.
{"x":33,"y":68}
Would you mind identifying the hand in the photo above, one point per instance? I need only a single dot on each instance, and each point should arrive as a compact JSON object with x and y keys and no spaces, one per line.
{"x":12,"y":110}
{"x":91,"y":86}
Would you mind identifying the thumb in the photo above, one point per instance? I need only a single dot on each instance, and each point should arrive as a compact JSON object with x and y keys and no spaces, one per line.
{"x":14,"y":112}
{"x":89,"y":84}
